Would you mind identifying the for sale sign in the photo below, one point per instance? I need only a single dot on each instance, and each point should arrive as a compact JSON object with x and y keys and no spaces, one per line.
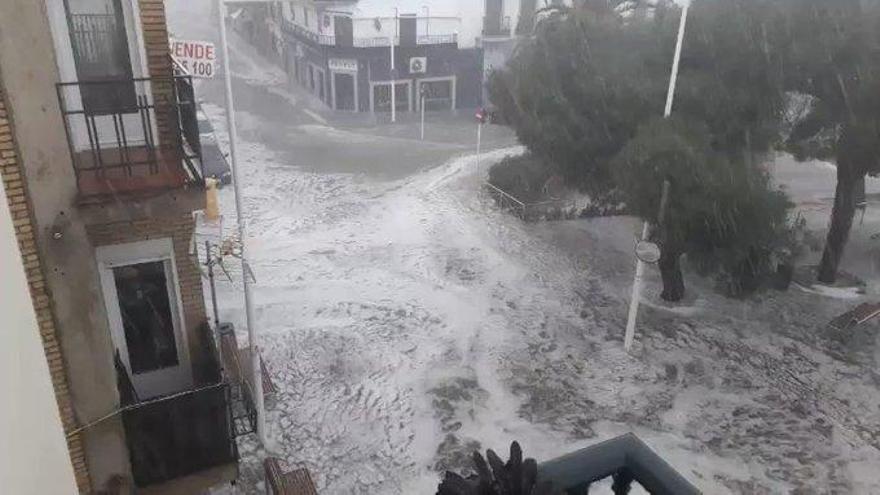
{"x":196,"y":57}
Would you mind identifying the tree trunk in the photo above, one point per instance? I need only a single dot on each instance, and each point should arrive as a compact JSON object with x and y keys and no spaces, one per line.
{"x":845,"y":197}
{"x":670,"y":272}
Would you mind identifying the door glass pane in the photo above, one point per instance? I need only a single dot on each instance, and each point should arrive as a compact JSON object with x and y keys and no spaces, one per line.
{"x":344,"y":91}
{"x":147,"y":318}
{"x":408,"y":31}
{"x":100,"y":51}
{"x":344,"y":30}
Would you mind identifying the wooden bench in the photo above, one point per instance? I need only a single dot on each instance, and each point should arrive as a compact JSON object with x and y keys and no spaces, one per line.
{"x":296,"y":482}
{"x":237,"y":362}
{"x":856,"y":316}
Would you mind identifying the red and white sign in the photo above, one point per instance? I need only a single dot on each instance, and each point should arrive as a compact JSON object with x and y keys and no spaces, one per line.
{"x":481,"y":116}
{"x":196,"y":57}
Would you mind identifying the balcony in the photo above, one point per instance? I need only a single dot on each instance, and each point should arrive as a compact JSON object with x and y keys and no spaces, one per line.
{"x":307,"y":35}
{"x":626,"y":459}
{"x":438,"y":39}
{"x":134,"y":137}
{"x":186,"y":439}
{"x":304,"y":34}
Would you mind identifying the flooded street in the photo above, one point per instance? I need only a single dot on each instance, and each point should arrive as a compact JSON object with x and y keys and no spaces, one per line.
{"x":408,"y":322}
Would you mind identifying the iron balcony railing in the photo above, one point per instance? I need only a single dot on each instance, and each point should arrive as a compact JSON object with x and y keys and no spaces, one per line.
{"x":363,"y":41}
{"x":625,"y":459}
{"x":185,"y":433}
{"x":307,"y":35}
{"x":130,"y":134}
{"x":437,"y":39}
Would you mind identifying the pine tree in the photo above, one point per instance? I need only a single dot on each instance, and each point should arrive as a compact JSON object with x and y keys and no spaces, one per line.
{"x":587,"y":95}
{"x":832,"y":56}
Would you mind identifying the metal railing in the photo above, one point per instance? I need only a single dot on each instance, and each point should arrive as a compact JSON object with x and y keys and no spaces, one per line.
{"x":189,"y":110}
{"x":506,"y":201}
{"x":177,"y":437}
{"x":363,"y":41}
{"x":307,"y":35}
{"x":131,"y":128}
{"x":552,"y":209}
{"x":182,"y":433}
{"x":625,"y":458}
{"x":374,"y":41}
{"x":437,"y":39}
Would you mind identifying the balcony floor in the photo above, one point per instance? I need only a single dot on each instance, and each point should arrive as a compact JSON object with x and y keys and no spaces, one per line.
{"x":98,"y":184}
{"x":198,"y":482}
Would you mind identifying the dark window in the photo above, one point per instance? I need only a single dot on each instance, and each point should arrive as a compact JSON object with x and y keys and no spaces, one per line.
{"x":344,"y":85}
{"x":438,"y":95}
{"x":344,"y":30}
{"x":408,"y":30}
{"x":142,"y":290}
{"x":100,"y":52}
{"x":492,"y":21}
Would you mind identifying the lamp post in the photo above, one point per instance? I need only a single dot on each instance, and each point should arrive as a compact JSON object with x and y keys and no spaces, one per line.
{"x":242,"y":232}
{"x":646,"y":228}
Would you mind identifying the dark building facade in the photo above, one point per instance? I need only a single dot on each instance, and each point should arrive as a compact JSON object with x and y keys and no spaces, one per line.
{"x":359,"y":78}
{"x":342,"y":55}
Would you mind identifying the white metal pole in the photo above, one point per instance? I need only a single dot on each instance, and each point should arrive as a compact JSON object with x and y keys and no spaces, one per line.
{"x":423,"y":115}
{"x":393,"y":73}
{"x":427,"y":20}
{"x":479,"y":136}
{"x":673,"y":76}
{"x":640,"y":265}
{"x":242,"y":232}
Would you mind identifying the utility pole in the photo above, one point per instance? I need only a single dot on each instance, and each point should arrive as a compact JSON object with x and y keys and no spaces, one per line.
{"x":393,"y":71}
{"x":256,"y":373}
{"x":646,"y":228}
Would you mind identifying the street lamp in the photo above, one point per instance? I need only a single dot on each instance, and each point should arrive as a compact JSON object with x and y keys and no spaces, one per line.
{"x":256,"y":372}
{"x":646,"y":228}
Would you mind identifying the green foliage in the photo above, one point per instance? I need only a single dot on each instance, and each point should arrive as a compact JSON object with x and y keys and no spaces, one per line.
{"x":730,"y":76}
{"x":722,"y":212}
{"x":523,"y":176}
{"x":587,"y":95}
{"x":831,"y":51}
{"x":577,"y":92}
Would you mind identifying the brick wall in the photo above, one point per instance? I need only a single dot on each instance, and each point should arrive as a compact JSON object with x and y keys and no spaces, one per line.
{"x":180,"y":229}
{"x":155,"y":31}
{"x":22,"y":217}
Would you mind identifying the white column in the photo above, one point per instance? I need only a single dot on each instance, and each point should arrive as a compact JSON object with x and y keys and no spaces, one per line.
{"x":256,"y":374}
{"x":640,"y":265}
{"x":393,"y":74}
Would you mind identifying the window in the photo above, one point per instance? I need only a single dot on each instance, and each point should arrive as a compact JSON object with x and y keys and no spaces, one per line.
{"x":147,"y":319}
{"x":101,"y":53}
{"x":141,"y":297}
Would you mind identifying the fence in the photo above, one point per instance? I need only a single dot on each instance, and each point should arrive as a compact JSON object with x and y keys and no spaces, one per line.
{"x":551,"y":209}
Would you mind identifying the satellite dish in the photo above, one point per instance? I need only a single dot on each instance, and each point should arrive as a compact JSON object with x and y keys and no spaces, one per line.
{"x":647,"y":252}
{"x":417,"y":65}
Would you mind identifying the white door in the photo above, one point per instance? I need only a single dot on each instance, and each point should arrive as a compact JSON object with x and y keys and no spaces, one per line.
{"x":143,"y":306}
{"x":100,"y":42}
